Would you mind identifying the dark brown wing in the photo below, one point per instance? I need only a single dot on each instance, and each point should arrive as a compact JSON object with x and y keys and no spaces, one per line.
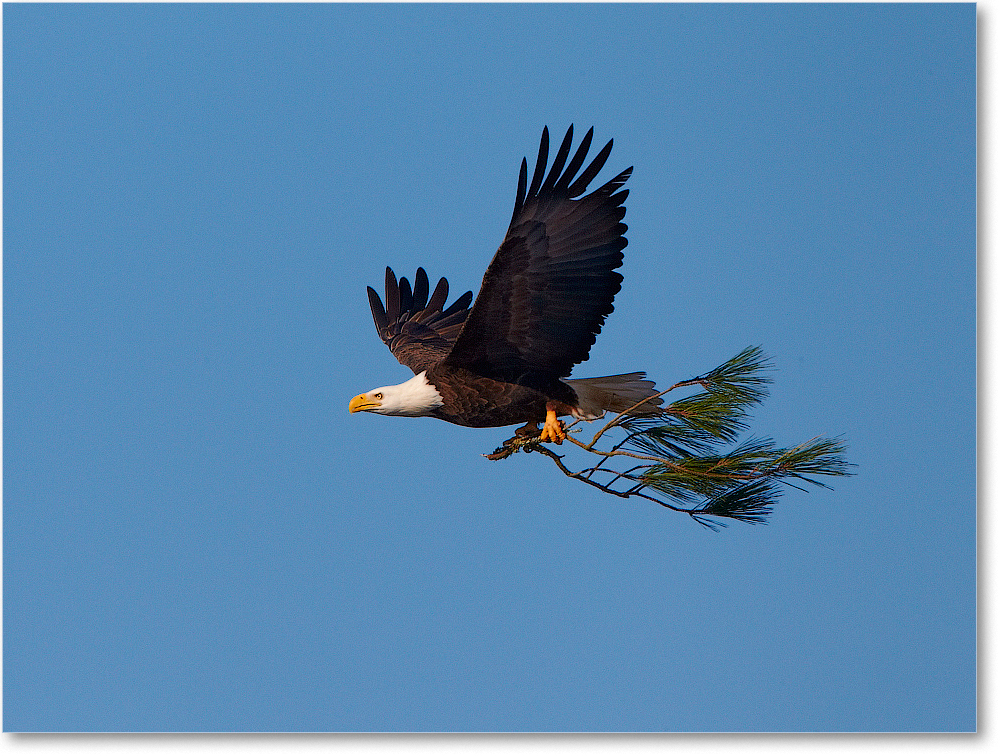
{"x":551,"y":284}
{"x":418,"y":331}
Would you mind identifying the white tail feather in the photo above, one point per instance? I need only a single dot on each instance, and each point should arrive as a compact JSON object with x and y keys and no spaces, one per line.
{"x":614,"y":393}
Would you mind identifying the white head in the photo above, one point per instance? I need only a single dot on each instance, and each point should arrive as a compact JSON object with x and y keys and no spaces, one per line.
{"x":415,"y":398}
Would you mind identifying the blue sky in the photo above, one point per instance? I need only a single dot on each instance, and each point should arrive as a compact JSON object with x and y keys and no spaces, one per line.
{"x":197,"y":536}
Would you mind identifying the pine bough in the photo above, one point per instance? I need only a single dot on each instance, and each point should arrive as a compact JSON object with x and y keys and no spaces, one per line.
{"x":678,"y":458}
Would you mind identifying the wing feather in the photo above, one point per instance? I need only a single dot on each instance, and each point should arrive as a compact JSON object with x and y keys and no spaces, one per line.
{"x":459,"y":306}
{"x":440,"y":295}
{"x":405,"y":296}
{"x":579,"y":186}
{"x":391,"y":295}
{"x":420,"y":287}
{"x":378,"y":311}
{"x":543,"y":158}
{"x":558,"y":163}
{"x":576,"y":162}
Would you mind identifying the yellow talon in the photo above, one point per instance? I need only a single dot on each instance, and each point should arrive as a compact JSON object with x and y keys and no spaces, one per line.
{"x":553,"y":428}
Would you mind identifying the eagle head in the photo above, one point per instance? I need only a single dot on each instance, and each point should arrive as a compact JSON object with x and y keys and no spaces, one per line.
{"x":416,"y":397}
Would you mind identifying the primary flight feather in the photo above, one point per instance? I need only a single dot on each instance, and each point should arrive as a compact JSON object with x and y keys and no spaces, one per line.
{"x":541,"y":305}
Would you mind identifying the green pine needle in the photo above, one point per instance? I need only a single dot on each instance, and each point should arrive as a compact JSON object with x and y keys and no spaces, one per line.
{"x":742,"y":378}
{"x":751,"y":502}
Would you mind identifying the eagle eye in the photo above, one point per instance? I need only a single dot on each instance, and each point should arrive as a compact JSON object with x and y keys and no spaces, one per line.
{"x":378,"y":394}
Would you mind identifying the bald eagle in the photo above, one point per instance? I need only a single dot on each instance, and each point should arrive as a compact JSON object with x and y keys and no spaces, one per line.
{"x":543,"y":301}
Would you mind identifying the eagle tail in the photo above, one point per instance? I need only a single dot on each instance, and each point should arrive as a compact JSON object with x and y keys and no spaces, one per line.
{"x":614,"y":393}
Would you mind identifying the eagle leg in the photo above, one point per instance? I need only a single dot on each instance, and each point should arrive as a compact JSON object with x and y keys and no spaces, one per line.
{"x":528,"y":430}
{"x":553,"y":429}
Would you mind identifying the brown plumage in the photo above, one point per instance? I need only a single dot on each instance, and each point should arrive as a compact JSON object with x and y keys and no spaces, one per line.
{"x":543,"y":300}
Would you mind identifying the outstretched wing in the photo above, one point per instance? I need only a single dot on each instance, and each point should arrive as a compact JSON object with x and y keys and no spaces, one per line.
{"x":418,"y":331}
{"x":552,"y":283}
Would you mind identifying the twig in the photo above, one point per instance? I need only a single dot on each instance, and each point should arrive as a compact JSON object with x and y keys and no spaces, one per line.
{"x":621,"y":494}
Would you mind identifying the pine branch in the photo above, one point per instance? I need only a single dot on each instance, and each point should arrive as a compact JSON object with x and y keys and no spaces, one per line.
{"x":682,"y":462}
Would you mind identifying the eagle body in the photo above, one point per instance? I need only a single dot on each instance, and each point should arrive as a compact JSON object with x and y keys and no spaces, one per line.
{"x":476,"y":401}
{"x":506,"y":358}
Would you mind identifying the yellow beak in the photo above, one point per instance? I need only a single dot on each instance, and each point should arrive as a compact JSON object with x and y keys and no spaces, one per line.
{"x":360,"y":403}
